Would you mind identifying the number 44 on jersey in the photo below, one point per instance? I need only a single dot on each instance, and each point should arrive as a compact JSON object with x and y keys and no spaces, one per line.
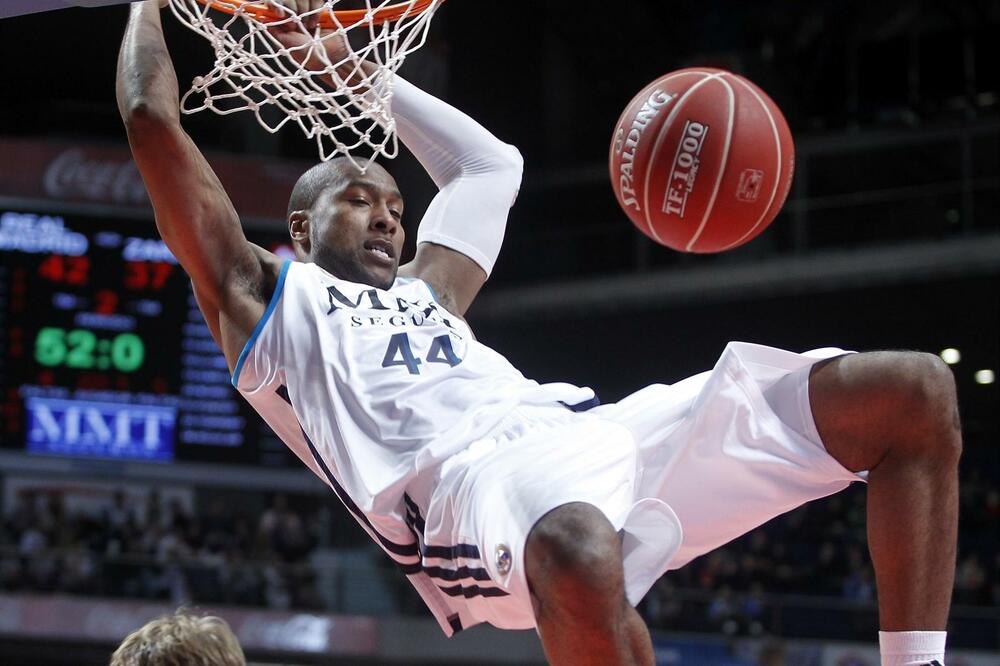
{"x":399,"y":352}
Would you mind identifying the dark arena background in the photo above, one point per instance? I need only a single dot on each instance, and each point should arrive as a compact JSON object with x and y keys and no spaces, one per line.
{"x":890,"y":239}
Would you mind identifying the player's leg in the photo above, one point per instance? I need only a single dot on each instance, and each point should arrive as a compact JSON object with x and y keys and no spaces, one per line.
{"x":573,"y":562}
{"x":896,"y":415}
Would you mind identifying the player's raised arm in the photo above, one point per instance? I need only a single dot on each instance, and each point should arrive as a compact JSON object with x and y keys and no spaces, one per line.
{"x":459,"y":238}
{"x":478,"y":175}
{"x":232,"y":278}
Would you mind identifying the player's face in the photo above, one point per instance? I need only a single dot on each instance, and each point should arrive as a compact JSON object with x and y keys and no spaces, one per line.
{"x":355,"y":228}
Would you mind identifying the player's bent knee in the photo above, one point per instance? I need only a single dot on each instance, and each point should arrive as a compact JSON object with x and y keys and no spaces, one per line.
{"x":928,"y":401}
{"x":573,"y":551}
{"x":869,"y":405}
{"x":924,"y":378}
{"x":920,"y":390}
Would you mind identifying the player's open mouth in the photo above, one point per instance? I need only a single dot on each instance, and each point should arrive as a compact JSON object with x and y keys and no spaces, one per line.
{"x":381,"y":250}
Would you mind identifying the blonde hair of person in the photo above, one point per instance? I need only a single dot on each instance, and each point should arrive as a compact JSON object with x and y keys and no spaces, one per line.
{"x":181,"y":639}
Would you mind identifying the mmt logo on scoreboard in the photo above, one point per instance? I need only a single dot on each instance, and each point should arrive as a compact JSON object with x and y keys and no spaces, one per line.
{"x":100,"y":429}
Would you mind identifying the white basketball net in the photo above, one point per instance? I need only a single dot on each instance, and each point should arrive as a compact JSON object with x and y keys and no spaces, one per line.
{"x":253,"y":72}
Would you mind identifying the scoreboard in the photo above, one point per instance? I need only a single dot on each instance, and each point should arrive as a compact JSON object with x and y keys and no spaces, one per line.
{"x":104,"y":352}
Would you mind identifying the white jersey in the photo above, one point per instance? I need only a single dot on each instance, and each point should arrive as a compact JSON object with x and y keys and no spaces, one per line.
{"x":373,"y":389}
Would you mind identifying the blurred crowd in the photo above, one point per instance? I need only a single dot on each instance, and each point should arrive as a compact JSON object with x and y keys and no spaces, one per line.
{"x":215,"y":555}
{"x":219,"y":554}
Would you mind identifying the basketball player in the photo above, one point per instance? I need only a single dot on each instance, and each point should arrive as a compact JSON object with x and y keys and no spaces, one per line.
{"x":180,"y":639}
{"x":503,"y":500}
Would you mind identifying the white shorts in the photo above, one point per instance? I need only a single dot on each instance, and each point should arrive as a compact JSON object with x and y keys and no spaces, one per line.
{"x":679,"y":469}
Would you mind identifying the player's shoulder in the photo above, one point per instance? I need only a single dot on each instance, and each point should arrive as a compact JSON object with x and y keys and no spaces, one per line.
{"x":407,"y":283}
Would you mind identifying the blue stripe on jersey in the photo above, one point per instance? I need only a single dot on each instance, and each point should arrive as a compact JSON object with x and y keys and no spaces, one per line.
{"x":472,"y":591}
{"x":417,"y":519}
{"x":416,"y":522}
{"x":451,"y":575}
{"x":466,"y":550}
{"x":431,"y":289}
{"x":263,"y":320}
{"x":582,"y":406}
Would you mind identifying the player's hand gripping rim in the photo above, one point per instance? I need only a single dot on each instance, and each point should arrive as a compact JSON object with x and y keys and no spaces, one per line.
{"x":300,"y":33}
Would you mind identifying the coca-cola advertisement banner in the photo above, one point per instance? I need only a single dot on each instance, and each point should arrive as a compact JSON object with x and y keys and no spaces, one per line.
{"x":106,"y":174}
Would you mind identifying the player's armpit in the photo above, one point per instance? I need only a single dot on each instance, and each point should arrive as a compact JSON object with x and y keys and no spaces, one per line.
{"x":454,"y":277}
{"x":243,"y":304}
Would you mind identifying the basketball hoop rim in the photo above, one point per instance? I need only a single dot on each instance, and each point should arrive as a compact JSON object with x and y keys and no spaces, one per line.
{"x":345,"y":18}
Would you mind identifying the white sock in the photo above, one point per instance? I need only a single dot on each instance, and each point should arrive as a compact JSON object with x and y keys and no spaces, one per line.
{"x":912,"y":648}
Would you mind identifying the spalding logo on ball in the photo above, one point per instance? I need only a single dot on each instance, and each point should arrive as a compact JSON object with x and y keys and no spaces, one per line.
{"x":702,"y":160}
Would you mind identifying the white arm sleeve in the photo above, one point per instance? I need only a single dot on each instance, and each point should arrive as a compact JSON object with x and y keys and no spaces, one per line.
{"x":477,"y":174}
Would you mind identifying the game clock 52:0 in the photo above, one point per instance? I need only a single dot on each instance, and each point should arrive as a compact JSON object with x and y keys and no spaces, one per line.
{"x":85,"y":350}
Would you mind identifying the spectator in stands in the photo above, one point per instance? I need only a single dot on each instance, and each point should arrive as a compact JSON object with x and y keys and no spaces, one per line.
{"x":181,"y":639}
{"x":118,"y":516}
{"x":663,"y":608}
{"x":859,"y":584}
{"x":970,"y":580}
{"x":178,"y":517}
{"x":282,"y":531}
{"x":79,"y":571}
{"x":752,"y":609}
{"x":721,"y":612}
{"x":994,"y":592}
{"x":153,"y":510}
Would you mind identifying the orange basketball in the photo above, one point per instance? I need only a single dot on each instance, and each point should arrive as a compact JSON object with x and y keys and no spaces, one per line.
{"x":702,"y":160}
